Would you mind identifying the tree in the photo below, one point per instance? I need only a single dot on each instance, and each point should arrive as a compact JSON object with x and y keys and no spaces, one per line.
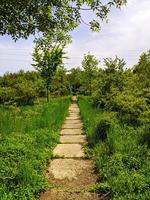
{"x":60,"y":85}
{"x":110,"y":82}
{"x":113,"y":65}
{"x":75,"y":76}
{"x":142,"y":69}
{"x":90,"y":66}
{"x":24,"y":17}
{"x":46,"y":62}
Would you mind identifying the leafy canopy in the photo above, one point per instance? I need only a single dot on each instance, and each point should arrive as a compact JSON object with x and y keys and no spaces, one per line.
{"x":24,"y":17}
{"x":46,"y":61}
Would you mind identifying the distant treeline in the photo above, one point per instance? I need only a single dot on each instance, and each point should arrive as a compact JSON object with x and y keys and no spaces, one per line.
{"x":111,"y":85}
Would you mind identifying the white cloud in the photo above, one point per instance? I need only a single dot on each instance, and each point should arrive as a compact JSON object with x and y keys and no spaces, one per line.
{"x":126,"y":35}
{"x":15,"y":56}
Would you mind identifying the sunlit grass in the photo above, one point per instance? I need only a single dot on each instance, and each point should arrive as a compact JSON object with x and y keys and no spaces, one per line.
{"x":122,"y":160}
{"x":28,"y":136}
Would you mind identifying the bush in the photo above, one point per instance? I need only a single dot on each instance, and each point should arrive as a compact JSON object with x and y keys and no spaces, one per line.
{"x":102,"y":129}
{"x":122,"y":157}
{"x":25,"y":93}
{"x":145,"y":135}
{"x":129,"y":108}
{"x":7,"y":95}
{"x":22,"y":94}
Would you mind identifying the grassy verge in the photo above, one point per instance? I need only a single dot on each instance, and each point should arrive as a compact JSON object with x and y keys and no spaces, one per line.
{"x":122,"y":162}
{"x":27,"y":138}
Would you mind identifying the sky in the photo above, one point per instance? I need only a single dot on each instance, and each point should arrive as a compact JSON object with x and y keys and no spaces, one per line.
{"x":126,"y":35}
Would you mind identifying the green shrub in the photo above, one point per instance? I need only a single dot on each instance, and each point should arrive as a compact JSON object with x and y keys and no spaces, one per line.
{"x":102,"y":129}
{"x":122,"y":162}
{"x":145,"y":135}
{"x":22,"y":94}
{"x":129,"y":108}
{"x":7,"y":95}
{"x":25,"y":93}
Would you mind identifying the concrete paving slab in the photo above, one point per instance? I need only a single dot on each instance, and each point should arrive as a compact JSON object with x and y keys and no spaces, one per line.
{"x":74,"y":111}
{"x":73,"y":107}
{"x":68,"y":195}
{"x":66,"y":168}
{"x":79,"y":178}
{"x":73,"y":139}
{"x":71,"y":132}
{"x":72,"y":117}
{"x":74,"y":98}
{"x":69,"y":151}
{"x":72,"y":121}
{"x":73,"y":126}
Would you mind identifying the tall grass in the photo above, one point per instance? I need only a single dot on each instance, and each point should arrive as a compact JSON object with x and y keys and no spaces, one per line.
{"x":122,"y":162}
{"x":27,"y":138}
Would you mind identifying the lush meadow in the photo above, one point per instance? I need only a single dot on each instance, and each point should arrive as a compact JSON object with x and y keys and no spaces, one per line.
{"x":122,"y":154}
{"x":28,"y":135}
{"x":115,"y":109}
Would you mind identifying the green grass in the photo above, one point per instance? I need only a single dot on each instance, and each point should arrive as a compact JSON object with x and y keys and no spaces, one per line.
{"x":27,"y":138}
{"x":122,"y":162}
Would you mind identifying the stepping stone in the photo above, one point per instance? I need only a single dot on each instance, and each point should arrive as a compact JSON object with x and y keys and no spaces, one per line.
{"x":71,"y":132}
{"x":69,"y":151}
{"x":75,"y":175}
{"x":69,"y":125}
{"x":72,"y":121}
{"x":74,"y":98}
{"x":68,"y":195}
{"x":73,"y":139}
{"x":67,"y":168}
{"x":74,"y":106}
{"x":74,"y":111}
{"x":72,"y":118}
{"x":74,"y":115}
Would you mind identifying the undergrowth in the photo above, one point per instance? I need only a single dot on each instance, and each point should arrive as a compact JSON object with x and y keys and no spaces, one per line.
{"x":122,"y":154}
{"x":27,"y":138}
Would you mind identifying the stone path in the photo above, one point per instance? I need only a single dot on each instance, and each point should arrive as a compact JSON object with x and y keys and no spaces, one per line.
{"x":69,"y":172}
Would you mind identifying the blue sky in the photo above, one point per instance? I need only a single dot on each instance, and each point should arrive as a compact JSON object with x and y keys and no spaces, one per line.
{"x":126,"y":35}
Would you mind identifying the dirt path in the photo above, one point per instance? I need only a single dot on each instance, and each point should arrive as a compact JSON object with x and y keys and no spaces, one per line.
{"x":70,"y":173}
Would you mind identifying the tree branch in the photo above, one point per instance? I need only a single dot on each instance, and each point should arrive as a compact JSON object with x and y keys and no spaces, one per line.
{"x":84,"y":22}
{"x":80,"y":8}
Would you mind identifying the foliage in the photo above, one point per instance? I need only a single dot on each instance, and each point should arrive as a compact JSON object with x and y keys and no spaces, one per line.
{"x":118,"y":90}
{"x":7,"y":94}
{"x":129,"y":107}
{"x":20,"y":88}
{"x":27,"y":137}
{"x":75,"y":80}
{"x":46,"y":62}
{"x":102,"y":128}
{"x":110,"y":83}
{"x":60,"y":85}
{"x":145,"y":135}
{"x":117,"y":121}
{"x":122,"y":159}
{"x":90,"y":69}
{"x":142,"y":69}
{"x":22,"y":18}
